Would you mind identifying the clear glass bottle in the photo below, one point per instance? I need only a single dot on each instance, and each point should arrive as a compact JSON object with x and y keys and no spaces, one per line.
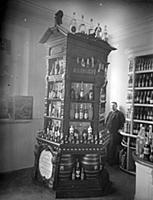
{"x":91,"y":27}
{"x":98,"y":31}
{"x":82,"y":26}
{"x":73,"y":24}
{"x":105,"y":34}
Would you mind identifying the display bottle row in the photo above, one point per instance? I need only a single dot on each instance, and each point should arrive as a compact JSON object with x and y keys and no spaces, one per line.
{"x":90,"y":62}
{"x":82,"y":91}
{"x":96,"y":32}
{"x":144,"y":64}
{"x":56,"y":66}
{"x":84,"y":135}
{"x":144,"y":80}
{"x":143,"y":113}
{"x":55,"y":110}
{"x":81,"y":111}
{"x":144,"y":97}
{"x":144,"y":144}
{"x":56,"y":90}
{"x":136,"y":128}
{"x":54,"y":133}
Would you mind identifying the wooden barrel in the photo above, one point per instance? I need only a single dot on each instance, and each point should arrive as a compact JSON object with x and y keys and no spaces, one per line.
{"x":91,"y":165}
{"x":66,"y":166}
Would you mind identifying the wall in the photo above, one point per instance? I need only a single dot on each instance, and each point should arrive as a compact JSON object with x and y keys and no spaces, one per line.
{"x":27,"y":68}
{"x":130,"y":30}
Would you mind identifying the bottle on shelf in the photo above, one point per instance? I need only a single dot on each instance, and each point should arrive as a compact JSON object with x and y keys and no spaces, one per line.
{"x":73,"y":24}
{"x":72,"y":95}
{"x":81,"y":111}
{"x":72,"y":111}
{"x":86,"y":115}
{"x":91,"y":27}
{"x":73,"y":173}
{"x":81,"y":91}
{"x":150,"y":135}
{"x":140,"y":142}
{"x":76,"y":114}
{"x":77,"y":171}
{"x":98,"y":31}
{"x":90,"y":94}
{"x":90,"y":112}
{"x":105,"y":34}
{"x":146,"y":149}
{"x":83,"y":64}
{"x":82,"y":173}
{"x":82,"y":26}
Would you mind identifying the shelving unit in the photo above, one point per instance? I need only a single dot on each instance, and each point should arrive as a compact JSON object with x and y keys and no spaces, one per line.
{"x":74,"y":137}
{"x":139,"y":106}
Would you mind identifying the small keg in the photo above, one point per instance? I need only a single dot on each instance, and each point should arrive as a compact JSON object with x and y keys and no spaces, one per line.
{"x":66,"y":167}
{"x":91,"y":165}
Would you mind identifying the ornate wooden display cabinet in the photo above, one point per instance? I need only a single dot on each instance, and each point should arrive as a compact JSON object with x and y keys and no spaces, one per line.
{"x":139,"y":106}
{"x":74,"y":130}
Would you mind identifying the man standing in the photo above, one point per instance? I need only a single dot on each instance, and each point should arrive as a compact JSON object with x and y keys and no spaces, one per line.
{"x":114,"y":121}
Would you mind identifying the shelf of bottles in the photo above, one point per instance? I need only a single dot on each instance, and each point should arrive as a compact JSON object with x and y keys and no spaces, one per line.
{"x":81,"y":122}
{"x":128,"y":141}
{"x":139,"y":106}
{"x":54,"y":101}
{"x":143,"y":100}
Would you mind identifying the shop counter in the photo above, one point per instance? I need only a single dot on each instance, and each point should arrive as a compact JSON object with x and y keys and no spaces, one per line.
{"x":144,"y":179}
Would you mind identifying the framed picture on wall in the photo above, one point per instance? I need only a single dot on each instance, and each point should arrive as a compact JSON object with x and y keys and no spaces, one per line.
{"x":21,"y":107}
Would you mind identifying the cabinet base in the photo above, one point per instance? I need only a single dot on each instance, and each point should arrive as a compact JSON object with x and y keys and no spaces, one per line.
{"x":97,"y":187}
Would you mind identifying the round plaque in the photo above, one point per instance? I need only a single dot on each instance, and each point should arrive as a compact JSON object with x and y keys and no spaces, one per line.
{"x":45,"y":164}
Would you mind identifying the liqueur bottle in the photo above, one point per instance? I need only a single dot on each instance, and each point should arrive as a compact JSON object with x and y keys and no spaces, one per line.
{"x":72,"y":111}
{"x":77,"y":172}
{"x":98,"y":31}
{"x":85,"y":112}
{"x":146,"y":149}
{"x":82,"y":173}
{"x":90,"y":94}
{"x":72,"y":93}
{"x":82,"y":26}
{"x":81,"y":111}
{"x":81,"y":91}
{"x":73,"y":173}
{"x":91,"y":27}
{"x":73,"y":24}
{"x":105,"y":34}
{"x":90,"y":112}
{"x":76,"y":115}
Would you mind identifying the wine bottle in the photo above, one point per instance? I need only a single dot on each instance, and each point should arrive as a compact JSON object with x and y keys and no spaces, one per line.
{"x":90,"y":94}
{"x":98,"y":31}
{"x":73,"y":24}
{"x":91,"y":27}
{"x":82,"y":26}
{"x":76,"y":115}
{"x":90,"y":112}
{"x":81,"y":91}
{"x":105,"y":34}
{"x":85,"y":112}
{"x":81,"y":111}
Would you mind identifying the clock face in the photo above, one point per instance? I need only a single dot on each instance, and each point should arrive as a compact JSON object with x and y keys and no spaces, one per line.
{"x":45,"y":164}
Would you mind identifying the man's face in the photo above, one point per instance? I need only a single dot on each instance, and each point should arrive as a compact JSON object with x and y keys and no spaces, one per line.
{"x":113,"y":106}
